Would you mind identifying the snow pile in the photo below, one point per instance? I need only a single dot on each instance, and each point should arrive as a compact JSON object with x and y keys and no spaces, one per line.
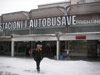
{"x":26,"y":66}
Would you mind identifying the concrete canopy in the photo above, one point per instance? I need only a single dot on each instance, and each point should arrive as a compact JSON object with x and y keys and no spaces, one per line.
{"x":15,"y":16}
{"x":47,"y":12}
{"x":34,"y":37}
{"x":53,"y":37}
{"x":85,"y":8}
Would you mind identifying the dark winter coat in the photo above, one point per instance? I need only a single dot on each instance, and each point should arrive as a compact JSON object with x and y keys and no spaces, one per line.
{"x":37,"y":55}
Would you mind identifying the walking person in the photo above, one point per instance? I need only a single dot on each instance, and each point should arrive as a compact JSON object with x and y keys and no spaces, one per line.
{"x":38,"y":56}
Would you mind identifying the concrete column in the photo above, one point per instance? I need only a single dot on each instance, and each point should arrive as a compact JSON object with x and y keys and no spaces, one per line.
{"x":58,"y":45}
{"x":58,"y":49}
{"x":12,"y":48}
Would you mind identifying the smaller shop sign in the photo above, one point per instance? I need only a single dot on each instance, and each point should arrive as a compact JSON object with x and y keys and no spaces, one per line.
{"x":80,"y":37}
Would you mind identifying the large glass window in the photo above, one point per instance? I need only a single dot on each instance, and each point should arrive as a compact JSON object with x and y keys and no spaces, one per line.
{"x":78,"y":48}
{"x":5,"y":48}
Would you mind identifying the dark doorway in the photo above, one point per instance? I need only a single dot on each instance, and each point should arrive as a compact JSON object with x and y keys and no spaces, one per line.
{"x":22,"y":48}
{"x":49,"y":49}
{"x":92,"y":48}
{"x":5,"y":48}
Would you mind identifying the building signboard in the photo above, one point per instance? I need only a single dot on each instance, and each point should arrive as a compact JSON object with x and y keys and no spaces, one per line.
{"x":48,"y":22}
{"x":41,"y":22}
{"x":92,"y":21}
{"x":80,"y":37}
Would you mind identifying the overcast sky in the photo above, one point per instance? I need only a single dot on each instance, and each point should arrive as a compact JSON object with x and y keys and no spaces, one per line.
{"x":7,"y":6}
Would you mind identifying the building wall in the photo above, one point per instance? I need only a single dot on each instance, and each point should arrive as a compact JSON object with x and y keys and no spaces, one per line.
{"x":74,"y":1}
{"x":14,"y":17}
{"x":62,"y":4}
{"x":88,"y":18}
{"x":88,"y":23}
{"x":49,"y":30}
{"x":82,"y":1}
{"x":92,"y":0}
{"x":0,"y":30}
{"x":0,"y":19}
{"x":19,"y":32}
{"x":52,"y":30}
{"x":74,"y":29}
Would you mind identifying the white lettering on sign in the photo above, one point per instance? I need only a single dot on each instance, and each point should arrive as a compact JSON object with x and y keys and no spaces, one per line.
{"x":9,"y":25}
{"x":63,"y":20}
{"x":44,"y":22}
{"x":41,"y":22}
{"x":14,"y":25}
{"x":48,"y":21}
{"x":18,"y":24}
{"x":31,"y":23}
{"x":87,"y":21}
{"x":58,"y":21}
{"x":73,"y":20}
{"x":35,"y":22}
{"x":6,"y":26}
{"x":54,"y":21}
{"x":69,"y":20}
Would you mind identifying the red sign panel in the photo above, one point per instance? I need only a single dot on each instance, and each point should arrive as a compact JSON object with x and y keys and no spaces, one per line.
{"x":80,"y":37}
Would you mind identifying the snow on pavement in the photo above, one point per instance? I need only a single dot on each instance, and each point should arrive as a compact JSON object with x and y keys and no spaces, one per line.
{"x":27,"y":66}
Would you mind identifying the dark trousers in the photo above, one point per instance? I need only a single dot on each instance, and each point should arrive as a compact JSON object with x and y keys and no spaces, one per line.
{"x":38,"y":65}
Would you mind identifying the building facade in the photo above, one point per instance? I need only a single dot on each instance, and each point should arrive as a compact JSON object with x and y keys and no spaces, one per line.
{"x":72,"y":26}
{"x":83,"y":1}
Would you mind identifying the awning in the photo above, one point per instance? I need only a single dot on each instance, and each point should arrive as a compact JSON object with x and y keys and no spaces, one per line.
{"x":54,"y":37}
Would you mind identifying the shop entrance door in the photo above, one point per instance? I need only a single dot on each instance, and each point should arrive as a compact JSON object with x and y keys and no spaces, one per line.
{"x":92,"y":48}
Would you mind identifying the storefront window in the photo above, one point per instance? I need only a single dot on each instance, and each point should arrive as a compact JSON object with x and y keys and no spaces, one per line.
{"x":78,"y":48}
{"x":5,"y":48}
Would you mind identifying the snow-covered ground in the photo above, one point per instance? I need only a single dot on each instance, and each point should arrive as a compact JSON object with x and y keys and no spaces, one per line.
{"x":26,"y":66}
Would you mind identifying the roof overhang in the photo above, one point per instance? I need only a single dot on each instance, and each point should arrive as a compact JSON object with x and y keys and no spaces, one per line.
{"x":54,"y":37}
{"x":47,"y":12}
{"x":34,"y":37}
{"x":85,"y":8}
{"x":15,"y":16}
{"x":89,"y":36}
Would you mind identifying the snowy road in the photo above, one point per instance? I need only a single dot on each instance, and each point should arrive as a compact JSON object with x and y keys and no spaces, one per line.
{"x":25,"y":66}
